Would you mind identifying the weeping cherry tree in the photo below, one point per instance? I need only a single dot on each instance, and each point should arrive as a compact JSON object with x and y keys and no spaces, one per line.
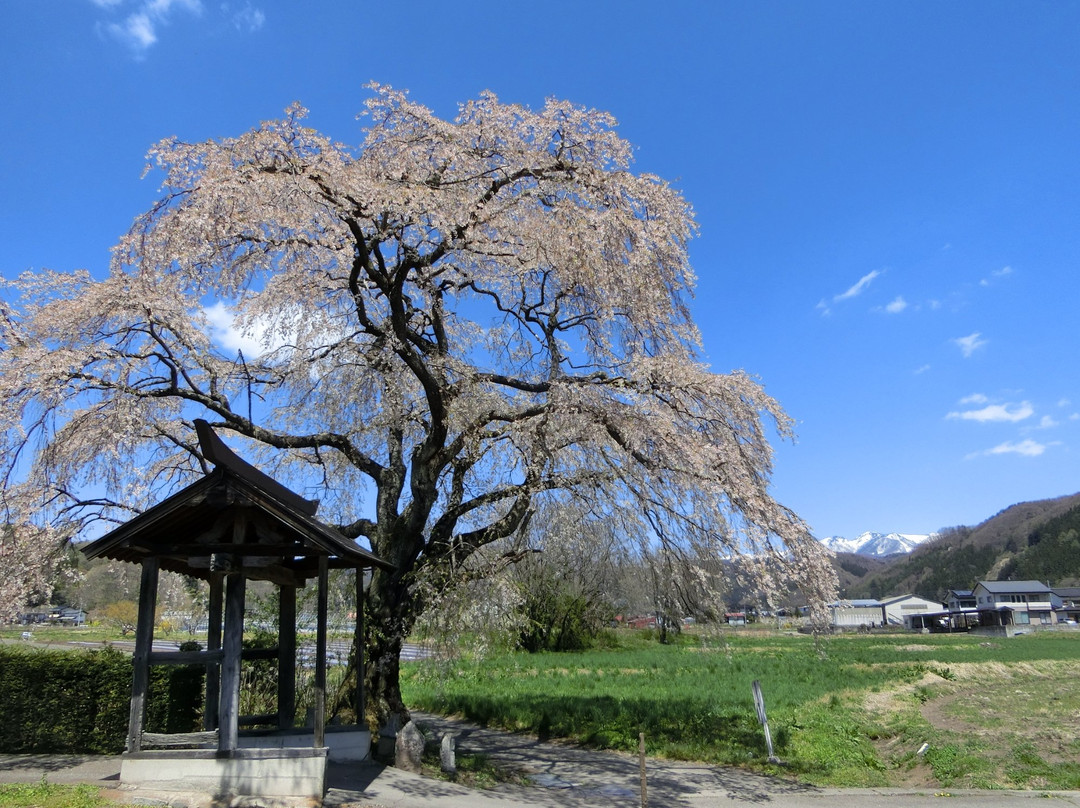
{"x":458,"y":320}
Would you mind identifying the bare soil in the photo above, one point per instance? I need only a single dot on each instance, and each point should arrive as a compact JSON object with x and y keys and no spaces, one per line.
{"x":1001,"y":707}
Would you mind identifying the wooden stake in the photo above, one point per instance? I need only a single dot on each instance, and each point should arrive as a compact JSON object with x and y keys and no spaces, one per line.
{"x":641,"y":759}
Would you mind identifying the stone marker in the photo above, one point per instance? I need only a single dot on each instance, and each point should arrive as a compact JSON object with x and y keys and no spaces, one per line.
{"x":409,"y":748}
{"x":447,"y":759}
{"x":387,"y":743}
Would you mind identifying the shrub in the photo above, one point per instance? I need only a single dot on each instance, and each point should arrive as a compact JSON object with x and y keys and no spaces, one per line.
{"x":558,"y":620}
{"x":77,"y":702}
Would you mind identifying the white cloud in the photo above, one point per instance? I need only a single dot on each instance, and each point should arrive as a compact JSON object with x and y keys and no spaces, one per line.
{"x":142,"y":27}
{"x":224,"y":331}
{"x":921,"y":369}
{"x":997,"y":273}
{"x":996,"y":413}
{"x":896,"y":306}
{"x":859,"y":287}
{"x":970,"y":343}
{"x":974,"y":398}
{"x":137,"y":31}
{"x":247,"y":19}
{"x":1027,"y":448}
{"x":853,"y":291}
{"x":1046,"y":422}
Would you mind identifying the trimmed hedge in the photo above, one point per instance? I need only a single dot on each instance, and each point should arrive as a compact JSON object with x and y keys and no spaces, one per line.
{"x":77,"y":702}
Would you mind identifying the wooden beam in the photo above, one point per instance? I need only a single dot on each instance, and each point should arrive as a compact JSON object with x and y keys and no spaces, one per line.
{"x":185,"y":657}
{"x":213,"y":645}
{"x":320,"y":654}
{"x":180,"y":739}
{"x":286,"y":657}
{"x":261,"y":720}
{"x":277,"y":574}
{"x":229,"y":710}
{"x":196,"y":548}
{"x":144,"y":641}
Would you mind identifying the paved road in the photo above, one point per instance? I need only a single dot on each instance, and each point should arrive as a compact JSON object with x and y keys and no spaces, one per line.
{"x":562,"y":775}
{"x":335,"y":651}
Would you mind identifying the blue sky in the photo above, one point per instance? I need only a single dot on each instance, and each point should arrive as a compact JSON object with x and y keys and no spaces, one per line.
{"x":887,"y":192}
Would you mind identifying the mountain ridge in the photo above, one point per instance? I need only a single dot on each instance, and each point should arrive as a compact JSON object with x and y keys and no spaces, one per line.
{"x":877,"y":545}
{"x":1029,"y":540}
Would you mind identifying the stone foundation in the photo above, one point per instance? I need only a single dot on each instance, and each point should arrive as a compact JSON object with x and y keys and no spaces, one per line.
{"x":294,"y":774}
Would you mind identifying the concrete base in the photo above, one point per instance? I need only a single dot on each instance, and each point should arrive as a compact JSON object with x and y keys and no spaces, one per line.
{"x":346,"y":744}
{"x":296,"y":774}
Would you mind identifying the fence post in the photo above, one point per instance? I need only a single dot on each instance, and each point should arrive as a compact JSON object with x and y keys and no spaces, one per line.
{"x":641,"y":760}
{"x":759,"y":705}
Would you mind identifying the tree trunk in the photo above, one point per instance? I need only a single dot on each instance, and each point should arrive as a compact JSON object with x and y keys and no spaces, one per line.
{"x":390,"y":617}
{"x":384,"y":706}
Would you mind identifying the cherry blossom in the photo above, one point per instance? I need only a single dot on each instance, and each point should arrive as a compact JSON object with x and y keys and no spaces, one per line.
{"x":458,"y":320}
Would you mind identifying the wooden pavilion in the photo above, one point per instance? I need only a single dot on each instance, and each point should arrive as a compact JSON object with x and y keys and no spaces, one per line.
{"x":234,"y":525}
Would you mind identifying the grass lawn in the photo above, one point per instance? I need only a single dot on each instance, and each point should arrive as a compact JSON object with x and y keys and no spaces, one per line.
{"x":46,"y":795}
{"x":843,"y":711}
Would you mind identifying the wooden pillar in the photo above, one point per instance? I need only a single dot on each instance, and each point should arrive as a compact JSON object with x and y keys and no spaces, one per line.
{"x":213,"y":643}
{"x":320,"y":653}
{"x":144,"y":641}
{"x":232,"y":646}
{"x":358,"y":649}
{"x":286,"y":657}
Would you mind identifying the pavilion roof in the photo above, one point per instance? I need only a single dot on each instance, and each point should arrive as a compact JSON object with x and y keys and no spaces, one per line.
{"x":234,"y":519}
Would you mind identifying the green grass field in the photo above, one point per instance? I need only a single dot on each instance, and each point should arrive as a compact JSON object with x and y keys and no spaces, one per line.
{"x":843,"y":711}
{"x":46,"y":795}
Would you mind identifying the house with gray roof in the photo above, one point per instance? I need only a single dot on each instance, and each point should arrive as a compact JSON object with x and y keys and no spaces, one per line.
{"x":1015,"y":603}
{"x":1070,"y":603}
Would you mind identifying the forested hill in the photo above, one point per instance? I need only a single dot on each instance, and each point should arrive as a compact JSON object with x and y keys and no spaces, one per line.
{"x":1028,"y":541}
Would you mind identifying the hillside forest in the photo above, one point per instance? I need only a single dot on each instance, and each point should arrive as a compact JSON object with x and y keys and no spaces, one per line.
{"x":565,"y":598}
{"x":1028,"y":541}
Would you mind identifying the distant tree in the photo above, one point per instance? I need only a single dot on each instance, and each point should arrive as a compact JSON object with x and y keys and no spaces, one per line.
{"x":662,"y":571}
{"x":102,"y":582}
{"x":122,"y":614}
{"x":461,"y":318}
{"x":30,"y":556}
{"x":568,"y":584}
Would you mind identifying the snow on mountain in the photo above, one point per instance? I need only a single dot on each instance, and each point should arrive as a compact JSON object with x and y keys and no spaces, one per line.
{"x":877,"y":544}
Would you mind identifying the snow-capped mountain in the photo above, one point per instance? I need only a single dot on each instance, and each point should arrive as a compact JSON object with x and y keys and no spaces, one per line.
{"x":877,"y":544}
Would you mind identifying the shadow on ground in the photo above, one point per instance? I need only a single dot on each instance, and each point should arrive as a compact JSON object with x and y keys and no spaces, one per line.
{"x":565,"y":774}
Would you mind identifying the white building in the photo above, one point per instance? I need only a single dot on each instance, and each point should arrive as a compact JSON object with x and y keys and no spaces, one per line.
{"x":900,"y":609}
{"x":856,"y":613}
